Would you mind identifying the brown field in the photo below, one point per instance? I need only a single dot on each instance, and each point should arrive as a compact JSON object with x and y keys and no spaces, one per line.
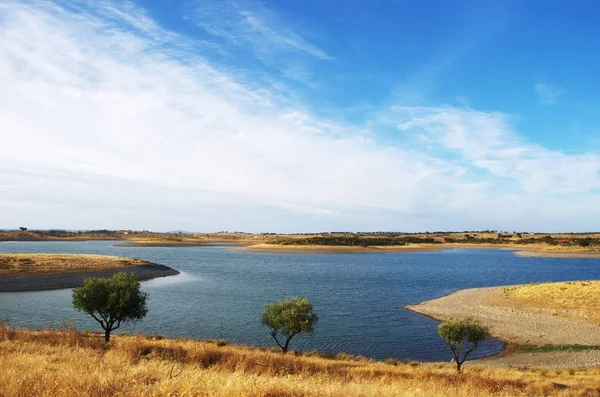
{"x":37,"y":264}
{"x":69,"y":363}
{"x":571,"y":299}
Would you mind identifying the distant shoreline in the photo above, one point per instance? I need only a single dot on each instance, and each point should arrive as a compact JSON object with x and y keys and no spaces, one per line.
{"x":586,"y":245}
{"x":252,"y":245}
{"x":322,"y":249}
{"x":133,"y":243}
{"x":334,"y":249}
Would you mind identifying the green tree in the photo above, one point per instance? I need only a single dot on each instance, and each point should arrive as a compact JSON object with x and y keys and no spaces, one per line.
{"x":288,"y":318}
{"x":111,"y":301}
{"x":462,"y":335}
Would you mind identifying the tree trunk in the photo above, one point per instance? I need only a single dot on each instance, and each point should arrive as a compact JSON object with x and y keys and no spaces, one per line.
{"x":287,"y":344}
{"x":458,"y":365}
{"x":107,"y":335}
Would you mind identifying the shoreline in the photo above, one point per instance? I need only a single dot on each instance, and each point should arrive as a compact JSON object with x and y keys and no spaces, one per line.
{"x":132,"y":243}
{"x":332,"y":249}
{"x":338,"y":249}
{"x":258,"y":246}
{"x":518,"y":326}
{"x":511,"y":324}
{"x":558,"y":254}
{"x":63,"y":280}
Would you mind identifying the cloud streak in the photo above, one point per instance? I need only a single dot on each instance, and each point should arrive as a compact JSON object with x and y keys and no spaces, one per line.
{"x":109,"y":120}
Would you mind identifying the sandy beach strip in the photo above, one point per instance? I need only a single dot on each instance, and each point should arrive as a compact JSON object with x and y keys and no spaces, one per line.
{"x":559,"y":254}
{"x":336,"y":249}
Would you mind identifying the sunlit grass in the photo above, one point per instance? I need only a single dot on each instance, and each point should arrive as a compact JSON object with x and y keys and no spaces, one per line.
{"x":58,"y":263}
{"x":68,"y":363}
{"x":573,"y":299}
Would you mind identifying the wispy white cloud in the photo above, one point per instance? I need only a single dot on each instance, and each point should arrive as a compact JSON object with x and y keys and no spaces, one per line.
{"x":252,"y":27}
{"x":547,"y":94}
{"x":108,"y":120}
{"x":255,"y":24}
{"x":486,"y":142}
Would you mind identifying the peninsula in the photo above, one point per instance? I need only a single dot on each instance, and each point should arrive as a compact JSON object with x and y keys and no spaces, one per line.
{"x":547,"y":324}
{"x":30,"y":272}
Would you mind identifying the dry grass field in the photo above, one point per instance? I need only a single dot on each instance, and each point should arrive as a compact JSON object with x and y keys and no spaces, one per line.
{"x":26,"y":264}
{"x":574,"y":299}
{"x":69,"y":363}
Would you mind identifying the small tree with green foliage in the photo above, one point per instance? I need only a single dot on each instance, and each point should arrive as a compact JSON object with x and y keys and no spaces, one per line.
{"x":462,"y":335}
{"x":288,"y":318}
{"x":111,"y":301}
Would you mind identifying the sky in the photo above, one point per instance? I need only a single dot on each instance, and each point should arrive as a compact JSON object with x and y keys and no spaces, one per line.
{"x":300,"y":116}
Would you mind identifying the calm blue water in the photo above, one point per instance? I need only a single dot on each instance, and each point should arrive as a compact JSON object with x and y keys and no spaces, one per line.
{"x":359,"y":297}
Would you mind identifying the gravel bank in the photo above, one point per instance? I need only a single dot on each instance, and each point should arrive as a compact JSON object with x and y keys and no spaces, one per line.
{"x":517,"y":325}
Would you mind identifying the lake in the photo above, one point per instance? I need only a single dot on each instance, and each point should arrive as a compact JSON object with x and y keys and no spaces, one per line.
{"x":359,"y":298}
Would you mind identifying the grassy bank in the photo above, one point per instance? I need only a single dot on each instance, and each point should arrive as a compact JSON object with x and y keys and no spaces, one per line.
{"x":571,"y":299}
{"x":68,"y":363}
{"x":38,"y":264}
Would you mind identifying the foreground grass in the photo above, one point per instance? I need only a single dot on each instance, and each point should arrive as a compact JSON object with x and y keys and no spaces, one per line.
{"x":11,"y":264}
{"x":573,"y":299}
{"x":68,"y":363}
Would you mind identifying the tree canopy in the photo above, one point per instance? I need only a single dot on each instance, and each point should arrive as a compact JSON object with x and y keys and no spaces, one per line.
{"x":462,"y":335}
{"x":288,"y":318}
{"x":111,"y":301}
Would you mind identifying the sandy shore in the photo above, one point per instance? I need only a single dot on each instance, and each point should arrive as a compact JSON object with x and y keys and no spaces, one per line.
{"x":21,"y":282}
{"x":520,"y":326}
{"x":559,"y":254}
{"x":133,"y":243}
{"x":335,"y":249}
{"x":330,"y":249}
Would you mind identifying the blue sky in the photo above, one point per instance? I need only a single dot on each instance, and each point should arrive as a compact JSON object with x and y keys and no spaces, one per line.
{"x":294,"y":116}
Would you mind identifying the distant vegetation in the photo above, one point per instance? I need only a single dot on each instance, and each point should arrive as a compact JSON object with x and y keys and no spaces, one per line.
{"x":572,"y":241}
{"x":359,"y":240}
{"x":356,"y":241}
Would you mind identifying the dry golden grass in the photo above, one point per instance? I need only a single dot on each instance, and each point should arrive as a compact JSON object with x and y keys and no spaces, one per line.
{"x":68,"y":363}
{"x":573,"y":299}
{"x":11,"y":264}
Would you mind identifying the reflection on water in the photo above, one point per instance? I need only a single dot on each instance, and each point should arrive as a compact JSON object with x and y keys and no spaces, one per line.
{"x":359,"y":298}
{"x":181,"y":278}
